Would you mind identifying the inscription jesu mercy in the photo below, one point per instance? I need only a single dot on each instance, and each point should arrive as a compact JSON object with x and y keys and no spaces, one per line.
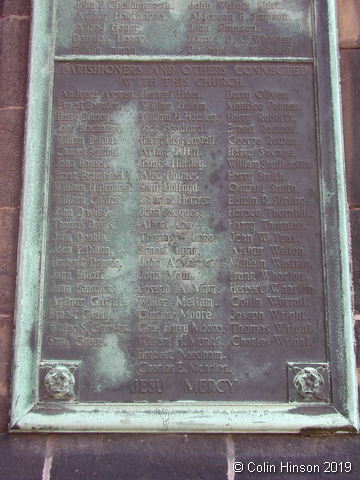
{"x":187,"y":256}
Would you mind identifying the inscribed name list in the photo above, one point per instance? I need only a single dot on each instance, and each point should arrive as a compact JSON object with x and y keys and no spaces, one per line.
{"x":184,"y":256}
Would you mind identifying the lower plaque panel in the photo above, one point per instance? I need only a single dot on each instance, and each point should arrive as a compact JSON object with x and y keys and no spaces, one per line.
{"x":184,"y":245}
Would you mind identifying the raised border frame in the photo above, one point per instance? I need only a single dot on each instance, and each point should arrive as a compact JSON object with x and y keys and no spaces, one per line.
{"x":339,"y":417}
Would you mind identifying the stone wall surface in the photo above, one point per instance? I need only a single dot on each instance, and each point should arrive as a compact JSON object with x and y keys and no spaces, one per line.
{"x":14,"y":45}
{"x":139,"y":456}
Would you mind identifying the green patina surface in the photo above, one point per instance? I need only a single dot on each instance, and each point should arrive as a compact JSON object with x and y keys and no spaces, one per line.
{"x":111,"y":365}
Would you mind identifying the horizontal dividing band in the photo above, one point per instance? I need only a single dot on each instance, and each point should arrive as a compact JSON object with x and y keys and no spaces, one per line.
{"x":185,"y":58}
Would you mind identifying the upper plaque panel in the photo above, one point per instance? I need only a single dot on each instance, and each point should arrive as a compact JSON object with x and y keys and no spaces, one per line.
{"x":185,"y":27}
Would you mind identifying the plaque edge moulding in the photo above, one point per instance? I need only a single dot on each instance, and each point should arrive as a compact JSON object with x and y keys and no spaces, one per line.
{"x":30,"y":414}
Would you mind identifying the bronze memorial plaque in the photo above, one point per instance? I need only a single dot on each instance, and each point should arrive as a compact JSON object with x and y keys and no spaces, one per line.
{"x":184,"y":258}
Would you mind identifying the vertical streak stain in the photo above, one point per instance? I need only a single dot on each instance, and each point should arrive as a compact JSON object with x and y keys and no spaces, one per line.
{"x":49,"y":454}
{"x":230,"y":454}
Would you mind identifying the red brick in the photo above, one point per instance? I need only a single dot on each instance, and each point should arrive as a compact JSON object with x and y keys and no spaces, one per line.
{"x":355,"y":240}
{"x":14,"y":39}
{"x":11,"y":153}
{"x":349,"y":23}
{"x":350,"y":77}
{"x":15,"y":7}
{"x":6,"y":342}
{"x":8,"y":248}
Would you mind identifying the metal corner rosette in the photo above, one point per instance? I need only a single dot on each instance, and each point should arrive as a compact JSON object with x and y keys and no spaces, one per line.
{"x":308,"y":382}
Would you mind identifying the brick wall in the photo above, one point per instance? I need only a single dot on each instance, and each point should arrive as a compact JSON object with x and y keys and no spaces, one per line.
{"x":138,"y":456}
{"x":349,"y":35}
{"x":14,"y":41}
